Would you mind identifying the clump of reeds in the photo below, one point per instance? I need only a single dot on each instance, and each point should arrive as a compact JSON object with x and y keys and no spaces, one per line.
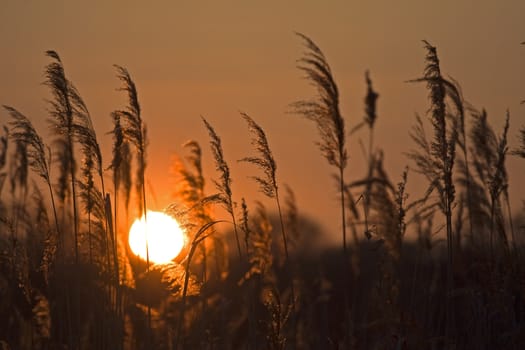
{"x":520,"y":151}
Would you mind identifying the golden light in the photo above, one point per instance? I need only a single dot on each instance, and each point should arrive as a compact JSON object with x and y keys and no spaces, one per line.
{"x":164,"y":235}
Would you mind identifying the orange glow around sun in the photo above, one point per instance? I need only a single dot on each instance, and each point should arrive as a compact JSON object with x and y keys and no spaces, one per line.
{"x":164,"y":236}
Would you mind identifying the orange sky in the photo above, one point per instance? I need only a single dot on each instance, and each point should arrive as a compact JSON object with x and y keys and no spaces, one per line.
{"x":220,"y":57}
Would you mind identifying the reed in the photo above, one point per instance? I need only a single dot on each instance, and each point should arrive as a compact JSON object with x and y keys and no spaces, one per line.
{"x":63,"y":123}
{"x":134,"y":132}
{"x":224,"y":196}
{"x":436,"y":159}
{"x":324,"y":112}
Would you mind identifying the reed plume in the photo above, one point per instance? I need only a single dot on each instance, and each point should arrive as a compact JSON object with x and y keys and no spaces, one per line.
{"x":190,"y":190}
{"x":520,"y":151}
{"x":38,"y":154}
{"x":489,"y":154}
{"x":457,"y":114}
{"x":19,"y":172}
{"x":91,"y":162}
{"x":265,"y":162}
{"x":436,"y":159}
{"x":291,"y":215}
{"x":19,"y":169}
{"x":268,"y":186}
{"x":134,"y":131}
{"x":324,"y":112}
{"x":259,"y":243}
{"x":370,"y":119}
{"x":120,"y":165}
{"x":224,"y":196}
{"x":63,"y":123}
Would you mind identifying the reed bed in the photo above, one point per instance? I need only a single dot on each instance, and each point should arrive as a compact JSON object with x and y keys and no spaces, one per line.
{"x":251,"y":279}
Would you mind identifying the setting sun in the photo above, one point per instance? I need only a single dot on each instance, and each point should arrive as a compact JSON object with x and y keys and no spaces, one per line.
{"x":164,"y":235}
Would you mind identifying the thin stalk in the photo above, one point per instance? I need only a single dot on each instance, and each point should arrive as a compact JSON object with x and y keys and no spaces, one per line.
{"x":289,"y":268}
{"x":509,"y":213}
{"x":73,"y":193}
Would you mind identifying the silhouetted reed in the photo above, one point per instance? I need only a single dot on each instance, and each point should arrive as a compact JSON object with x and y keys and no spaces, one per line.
{"x":224,"y":196}
{"x":38,"y":154}
{"x":435,"y":160}
{"x":63,"y":123}
{"x":323,"y":110}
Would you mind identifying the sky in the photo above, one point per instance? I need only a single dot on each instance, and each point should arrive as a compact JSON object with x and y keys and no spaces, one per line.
{"x":217,"y":58}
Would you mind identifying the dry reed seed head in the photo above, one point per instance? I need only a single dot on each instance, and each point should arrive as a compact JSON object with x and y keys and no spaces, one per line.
{"x":124,"y":171}
{"x":134,"y":131}
{"x":259,"y":242}
{"x":117,"y":132}
{"x":41,"y":216}
{"x":130,"y":88}
{"x":195,"y":156}
{"x":370,"y":102}
{"x":64,"y":93}
{"x":520,"y":151}
{"x":224,"y":184}
{"x":426,"y":164}
{"x":63,"y":157}
{"x":87,"y":137}
{"x":323,"y":110}
{"x":483,"y":138}
{"x":264,"y":160}
{"x":498,"y":181}
{"x":172,"y":278}
{"x":195,"y":160}
{"x":19,"y":167}
{"x":22,"y":130}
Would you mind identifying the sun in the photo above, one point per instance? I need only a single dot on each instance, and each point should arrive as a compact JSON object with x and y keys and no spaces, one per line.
{"x":164,"y":236}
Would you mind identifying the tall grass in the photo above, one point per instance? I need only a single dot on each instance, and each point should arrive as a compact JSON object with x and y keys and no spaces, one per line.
{"x":63,"y":122}
{"x":224,"y":196}
{"x":436,"y":159}
{"x":38,"y":154}
{"x":404,"y":294}
{"x":134,"y":131}
{"x":324,"y":112}
{"x":265,"y":162}
{"x":268,"y":186}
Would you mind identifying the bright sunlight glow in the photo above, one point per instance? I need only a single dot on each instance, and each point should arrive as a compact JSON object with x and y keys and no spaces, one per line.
{"x":164,"y":235}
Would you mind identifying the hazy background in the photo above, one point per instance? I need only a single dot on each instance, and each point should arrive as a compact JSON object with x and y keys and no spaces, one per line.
{"x":216,"y":58}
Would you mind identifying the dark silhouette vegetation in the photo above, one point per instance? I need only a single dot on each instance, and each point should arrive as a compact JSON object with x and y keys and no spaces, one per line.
{"x":250,"y":277}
